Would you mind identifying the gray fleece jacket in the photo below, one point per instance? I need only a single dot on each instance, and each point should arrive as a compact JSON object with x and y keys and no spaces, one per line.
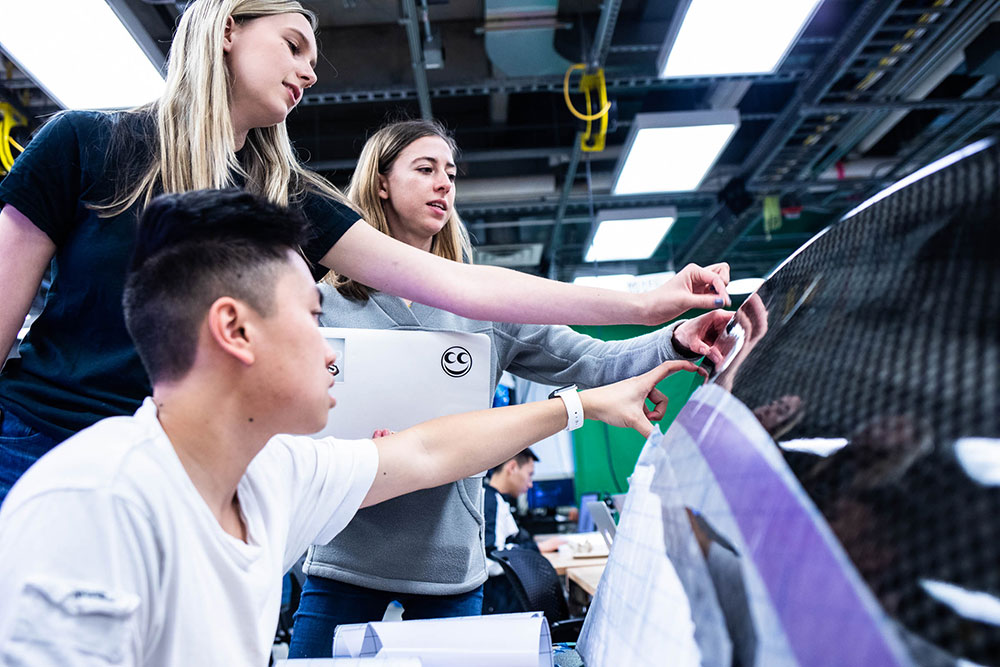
{"x":431,"y":542}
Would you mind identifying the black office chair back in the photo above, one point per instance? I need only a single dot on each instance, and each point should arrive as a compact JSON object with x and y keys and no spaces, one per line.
{"x":534,"y":581}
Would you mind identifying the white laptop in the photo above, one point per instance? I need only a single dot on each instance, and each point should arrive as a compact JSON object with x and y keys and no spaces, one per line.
{"x":391,"y":379}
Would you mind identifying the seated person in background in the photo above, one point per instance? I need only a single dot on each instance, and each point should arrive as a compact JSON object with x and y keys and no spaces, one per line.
{"x":506,"y":482}
{"x":161,"y":538}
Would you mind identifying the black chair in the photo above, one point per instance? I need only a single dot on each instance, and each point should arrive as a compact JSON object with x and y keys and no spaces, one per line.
{"x":537,"y":587}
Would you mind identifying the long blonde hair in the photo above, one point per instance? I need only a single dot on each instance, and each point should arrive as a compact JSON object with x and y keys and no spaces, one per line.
{"x":377,"y":158}
{"x":190,"y":127}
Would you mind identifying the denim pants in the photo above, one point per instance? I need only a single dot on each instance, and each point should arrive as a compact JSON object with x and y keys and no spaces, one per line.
{"x":20,"y":446}
{"x":326,"y":603}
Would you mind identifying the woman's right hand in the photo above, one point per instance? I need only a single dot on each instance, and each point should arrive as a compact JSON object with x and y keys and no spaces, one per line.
{"x":693,"y":287}
{"x":624,"y":403}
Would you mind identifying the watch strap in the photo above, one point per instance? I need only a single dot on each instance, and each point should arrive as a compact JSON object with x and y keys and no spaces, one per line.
{"x":574,"y":406}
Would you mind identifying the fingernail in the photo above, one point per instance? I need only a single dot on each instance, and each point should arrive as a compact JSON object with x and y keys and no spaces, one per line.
{"x":719,"y":302}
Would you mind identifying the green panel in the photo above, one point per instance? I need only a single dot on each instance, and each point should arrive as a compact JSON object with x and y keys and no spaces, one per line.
{"x":590,"y":442}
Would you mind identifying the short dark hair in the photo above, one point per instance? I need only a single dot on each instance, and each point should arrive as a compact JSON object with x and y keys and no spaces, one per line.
{"x":522,"y":457}
{"x":191,"y":249}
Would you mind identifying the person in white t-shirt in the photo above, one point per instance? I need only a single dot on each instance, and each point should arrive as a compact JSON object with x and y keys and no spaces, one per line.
{"x":161,"y":538}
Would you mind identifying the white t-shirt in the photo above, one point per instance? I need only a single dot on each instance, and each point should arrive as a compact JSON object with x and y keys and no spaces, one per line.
{"x":108,"y":554}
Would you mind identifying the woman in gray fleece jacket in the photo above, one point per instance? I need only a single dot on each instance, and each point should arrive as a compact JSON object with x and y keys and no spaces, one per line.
{"x":426,"y":549}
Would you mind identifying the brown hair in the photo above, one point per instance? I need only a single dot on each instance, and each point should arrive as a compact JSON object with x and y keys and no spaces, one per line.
{"x":377,"y":157}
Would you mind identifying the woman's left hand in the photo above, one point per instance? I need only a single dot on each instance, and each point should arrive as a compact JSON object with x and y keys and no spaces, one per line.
{"x":698,"y":336}
{"x":693,"y":287}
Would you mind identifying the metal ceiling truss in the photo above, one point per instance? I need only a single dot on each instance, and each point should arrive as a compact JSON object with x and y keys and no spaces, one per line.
{"x":548,"y":84}
{"x":822,"y":123}
{"x":692,"y":201}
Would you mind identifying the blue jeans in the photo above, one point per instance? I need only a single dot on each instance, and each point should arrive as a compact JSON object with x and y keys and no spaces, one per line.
{"x":20,"y":446}
{"x":326,"y":603}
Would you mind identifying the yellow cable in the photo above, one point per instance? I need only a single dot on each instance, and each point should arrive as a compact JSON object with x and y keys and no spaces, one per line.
{"x":569,"y":102}
{"x":9,"y":119}
{"x":6,"y":159}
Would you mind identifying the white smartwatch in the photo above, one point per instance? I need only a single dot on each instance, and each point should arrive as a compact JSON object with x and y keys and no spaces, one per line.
{"x":574,"y":408}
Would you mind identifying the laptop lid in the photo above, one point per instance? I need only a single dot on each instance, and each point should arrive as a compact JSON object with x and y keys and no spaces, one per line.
{"x":604,"y":523}
{"x":392,"y":379}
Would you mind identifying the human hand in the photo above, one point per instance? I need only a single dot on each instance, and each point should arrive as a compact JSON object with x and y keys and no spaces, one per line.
{"x":698,"y":336}
{"x":551,"y":544}
{"x":381,"y":433}
{"x":693,"y":287}
{"x":624,"y":403}
{"x":749,"y":328}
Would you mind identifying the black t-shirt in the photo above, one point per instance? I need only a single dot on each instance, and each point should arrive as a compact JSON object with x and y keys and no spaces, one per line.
{"x":77,"y":363}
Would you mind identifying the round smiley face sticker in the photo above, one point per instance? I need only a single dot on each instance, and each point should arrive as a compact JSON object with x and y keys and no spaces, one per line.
{"x":456,"y":361}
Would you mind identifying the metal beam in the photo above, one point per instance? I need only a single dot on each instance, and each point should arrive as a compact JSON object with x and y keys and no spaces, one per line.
{"x":412,"y":23}
{"x":720,"y":223}
{"x":560,"y":153}
{"x":605,"y":30}
{"x":539,"y":84}
{"x":904,"y":105}
{"x":692,"y":202}
{"x":555,"y":238}
{"x":924,"y":64}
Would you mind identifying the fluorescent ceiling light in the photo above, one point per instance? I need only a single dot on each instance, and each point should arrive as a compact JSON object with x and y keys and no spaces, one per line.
{"x":617,"y":281}
{"x":744,"y":285}
{"x":672,"y":152}
{"x":79,"y":52}
{"x":630,"y":234}
{"x":625,"y":282}
{"x":717,"y":37}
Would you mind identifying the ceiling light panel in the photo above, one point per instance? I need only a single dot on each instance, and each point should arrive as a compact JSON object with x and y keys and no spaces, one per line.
{"x":79,"y":52}
{"x":625,"y":282}
{"x":672,"y":152}
{"x":721,"y":37}
{"x":631,"y":234}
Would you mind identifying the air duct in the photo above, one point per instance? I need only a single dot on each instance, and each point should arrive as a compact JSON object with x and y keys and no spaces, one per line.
{"x":520,"y":37}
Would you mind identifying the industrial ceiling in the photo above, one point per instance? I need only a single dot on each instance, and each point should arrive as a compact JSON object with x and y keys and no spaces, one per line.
{"x":870,"y":91}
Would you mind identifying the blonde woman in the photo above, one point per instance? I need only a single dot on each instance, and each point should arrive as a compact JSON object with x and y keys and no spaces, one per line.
{"x":430,"y":552}
{"x":236,"y":68}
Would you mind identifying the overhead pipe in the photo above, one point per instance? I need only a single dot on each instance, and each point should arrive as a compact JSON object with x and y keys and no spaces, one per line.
{"x":411,"y":20}
{"x":555,"y":239}
{"x":598,"y":54}
{"x":519,"y":37}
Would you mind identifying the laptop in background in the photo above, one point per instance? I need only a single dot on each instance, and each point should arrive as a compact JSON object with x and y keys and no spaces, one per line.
{"x":604,"y":523}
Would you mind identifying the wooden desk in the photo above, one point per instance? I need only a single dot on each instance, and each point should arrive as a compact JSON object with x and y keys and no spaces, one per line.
{"x":586,"y":577}
{"x":563,"y":563}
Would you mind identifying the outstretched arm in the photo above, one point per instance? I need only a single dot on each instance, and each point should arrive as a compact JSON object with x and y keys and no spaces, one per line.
{"x":493,"y":293}
{"x":449,"y":448}
{"x":25,"y":252}
{"x":558,"y":355}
